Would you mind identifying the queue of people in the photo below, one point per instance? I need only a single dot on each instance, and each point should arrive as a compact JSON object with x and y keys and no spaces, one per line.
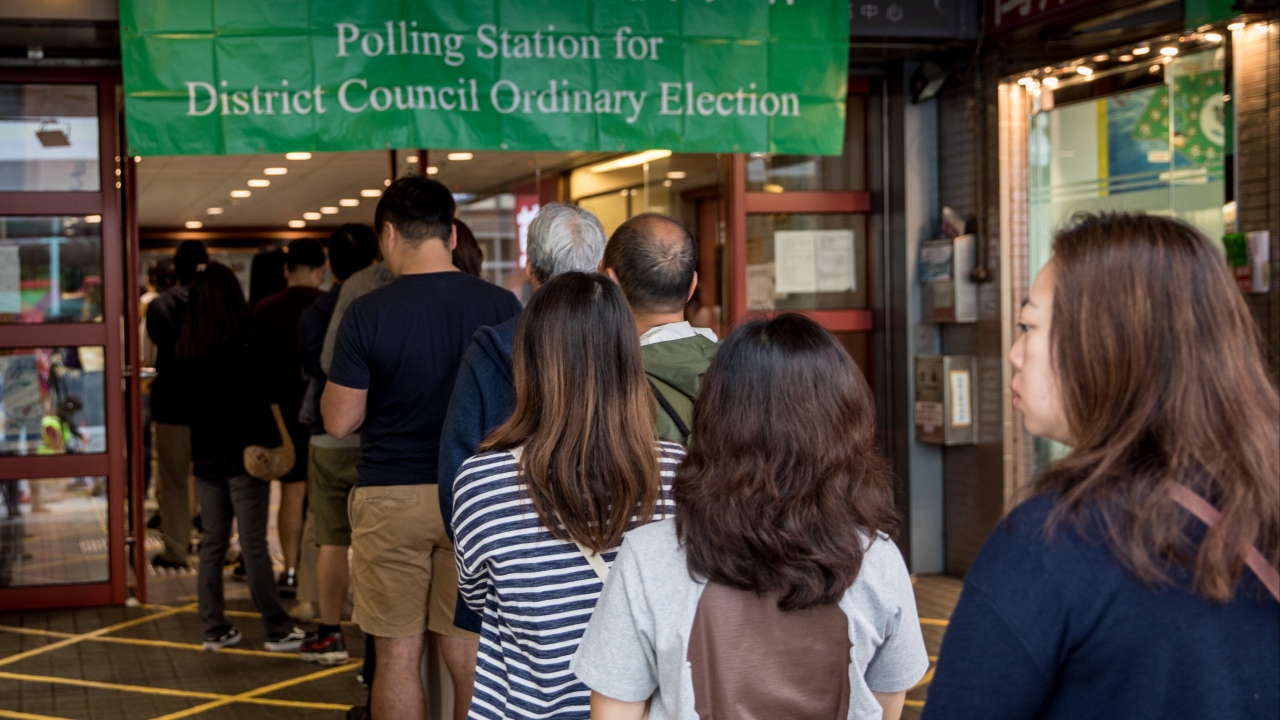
{"x":601,"y":511}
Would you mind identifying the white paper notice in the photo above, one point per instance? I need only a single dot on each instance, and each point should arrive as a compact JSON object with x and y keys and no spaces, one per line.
{"x":760,"y":287}
{"x":961,"y":400}
{"x":836,"y":268}
{"x":10,"y":280}
{"x":794,"y":256}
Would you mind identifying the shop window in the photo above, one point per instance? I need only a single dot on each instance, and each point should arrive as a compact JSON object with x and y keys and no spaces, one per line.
{"x":52,"y":401}
{"x":49,"y":138}
{"x":53,"y":531}
{"x":51,"y":269}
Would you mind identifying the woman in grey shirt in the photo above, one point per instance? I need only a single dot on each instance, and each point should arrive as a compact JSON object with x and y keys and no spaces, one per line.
{"x":776,"y":591}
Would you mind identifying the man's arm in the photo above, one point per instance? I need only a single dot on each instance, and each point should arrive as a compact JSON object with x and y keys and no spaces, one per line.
{"x":342,"y":408}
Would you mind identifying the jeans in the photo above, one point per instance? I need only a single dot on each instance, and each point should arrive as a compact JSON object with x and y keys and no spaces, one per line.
{"x":246,"y":500}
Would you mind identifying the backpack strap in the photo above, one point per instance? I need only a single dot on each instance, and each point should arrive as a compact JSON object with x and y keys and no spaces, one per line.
{"x":594,"y":560}
{"x":1208,"y":514}
{"x":671,"y":412}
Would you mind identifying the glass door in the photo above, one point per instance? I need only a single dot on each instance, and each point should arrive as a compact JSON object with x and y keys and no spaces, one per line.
{"x":63,"y":434}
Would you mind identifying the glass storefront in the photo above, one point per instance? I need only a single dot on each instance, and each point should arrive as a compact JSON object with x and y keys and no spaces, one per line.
{"x":50,"y":269}
{"x":49,"y":138}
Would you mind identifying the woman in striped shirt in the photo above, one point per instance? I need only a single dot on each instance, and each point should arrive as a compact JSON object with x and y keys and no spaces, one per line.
{"x":539,"y":515}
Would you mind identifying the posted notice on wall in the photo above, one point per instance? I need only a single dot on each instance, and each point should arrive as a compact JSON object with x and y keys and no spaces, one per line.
{"x":760,"y":287}
{"x":814,"y":261}
{"x":10,"y":280}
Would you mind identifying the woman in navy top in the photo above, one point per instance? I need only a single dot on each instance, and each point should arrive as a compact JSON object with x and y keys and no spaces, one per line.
{"x":1103,"y":595}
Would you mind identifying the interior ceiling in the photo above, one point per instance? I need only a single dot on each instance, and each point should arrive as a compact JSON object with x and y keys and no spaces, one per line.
{"x":175,"y":190}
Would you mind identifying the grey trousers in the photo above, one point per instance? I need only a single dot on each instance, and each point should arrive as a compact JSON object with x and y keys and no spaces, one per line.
{"x":246,"y":500}
{"x":171,"y":445}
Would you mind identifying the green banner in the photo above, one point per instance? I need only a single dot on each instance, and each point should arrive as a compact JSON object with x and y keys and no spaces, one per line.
{"x":206,"y":77}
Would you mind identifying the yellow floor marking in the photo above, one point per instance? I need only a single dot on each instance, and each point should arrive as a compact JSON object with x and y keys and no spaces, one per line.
{"x":89,"y":635}
{"x":934,"y":621}
{"x":218,"y":698}
{"x":148,"y":643}
{"x":228,"y":613}
{"x":928,"y":677}
{"x":914,"y":703}
{"x":26,"y":716}
{"x":252,"y":695}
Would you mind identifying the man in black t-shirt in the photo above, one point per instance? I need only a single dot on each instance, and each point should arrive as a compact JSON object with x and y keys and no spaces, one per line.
{"x":397,"y":355}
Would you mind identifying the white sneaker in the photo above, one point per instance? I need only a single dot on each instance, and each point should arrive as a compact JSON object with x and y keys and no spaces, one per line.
{"x":289,"y":642}
{"x":225,"y":639}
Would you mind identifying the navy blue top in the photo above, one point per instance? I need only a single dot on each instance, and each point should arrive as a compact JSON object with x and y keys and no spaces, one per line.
{"x":403,"y":343}
{"x":1058,"y":628}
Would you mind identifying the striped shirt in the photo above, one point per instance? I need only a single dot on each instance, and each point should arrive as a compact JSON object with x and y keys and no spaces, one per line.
{"x":534,"y":591}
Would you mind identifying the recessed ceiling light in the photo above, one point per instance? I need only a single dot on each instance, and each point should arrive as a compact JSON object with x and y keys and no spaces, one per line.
{"x":259,"y":182}
{"x":459,"y":156}
{"x":371,"y":192}
{"x":240,"y":193}
{"x":329,"y":210}
{"x":1233,"y":26}
{"x":213,"y":211}
{"x":1125,"y":58}
{"x":677,"y":174}
{"x":193,"y":224}
{"x":297,"y":156}
{"x":412,"y":159}
{"x":93,"y":219}
{"x":666,"y":183}
{"x":348,"y":202}
{"x":1141,"y":50}
{"x":630,"y":161}
{"x":432,"y":169}
{"x":310,"y":216}
{"x":1213,"y":37}
{"x":276,"y":171}
{"x":1101,"y":58}
{"x":1051,"y":82}
{"x":1085,"y":70}
{"x":1168,"y":51}
{"x":1026,"y":82}
{"x":297,"y":223}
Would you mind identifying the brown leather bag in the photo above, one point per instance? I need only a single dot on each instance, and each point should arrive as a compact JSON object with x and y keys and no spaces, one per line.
{"x":271,"y":463}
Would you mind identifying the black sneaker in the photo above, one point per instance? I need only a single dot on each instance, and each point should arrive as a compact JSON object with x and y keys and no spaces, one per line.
{"x":326,"y":649}
{"x":153,"y":523}
{"x":161,"y":562}
{"x":289,"y":642}
{"x":218,"y":639}
{"x":288,"y":584}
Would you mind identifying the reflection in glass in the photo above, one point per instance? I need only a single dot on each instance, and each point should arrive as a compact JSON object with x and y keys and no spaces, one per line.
{"x":53,"y":531}
{"x":50,"y":269}
{"x":806,"y":262}
{"x":498,"y":225}
{"x":48,"y":138}
{"x":52,"y":401}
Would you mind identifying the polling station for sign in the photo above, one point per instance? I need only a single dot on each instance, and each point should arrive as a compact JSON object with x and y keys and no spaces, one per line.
{"x":359,"y":94}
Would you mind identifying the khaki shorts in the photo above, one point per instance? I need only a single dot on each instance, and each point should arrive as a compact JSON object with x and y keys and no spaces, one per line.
{"x":402,"y":562}
{"x":332,"y":473}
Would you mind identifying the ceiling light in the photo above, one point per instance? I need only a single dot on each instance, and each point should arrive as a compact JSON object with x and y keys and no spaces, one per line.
{"x":259,"y":182}
{"x":1235,"y":26}
{"x":370,"y":192}
{"x":1026,"y":81}
{"x":240,"y":193}
{"x":193,"y":224}
{"x":1051,"y":82}
{"x":1141,"y":50}
{"x":310,"y":216}
{"x":348,"y":202}
{"x":460,"y":156}
{"x":297,"y":223}
{"x":432,"y":169}
{"x":297,"y":156}
{"x":213,"y":211}
{"x":138,"y":158}
{"x":412,"y":159}
{"x":1085,"y":70}
{"x":93,"y":219}
{"x":666,"y":183}
{"x":1168,"y":51}
{"x":387,"y":182}
{"x":1126,"y":58}
{"x":1101,"y":58}
{"x":276,"y":171}
{"x":1213,"y":37}
{"x":630,"y":161}
{"x":329,"y":210}
{"x":677,"y":174}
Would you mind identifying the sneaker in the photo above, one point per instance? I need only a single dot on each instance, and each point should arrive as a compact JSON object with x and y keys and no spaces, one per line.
{"x":240,"y":574}
{"x":327,"y":649}
{"x":218,"y":639}
{"x":289,"y":642}
{"x":153,"y":523}
{"x":161,"y":562}
{"x":288,"y":584}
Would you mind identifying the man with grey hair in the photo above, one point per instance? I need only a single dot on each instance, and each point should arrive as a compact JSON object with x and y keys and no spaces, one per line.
{"x":562,"y":238}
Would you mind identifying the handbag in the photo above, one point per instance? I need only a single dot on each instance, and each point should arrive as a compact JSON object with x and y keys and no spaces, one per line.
{"x":271,"y":463}
{"x":1208,"y":514}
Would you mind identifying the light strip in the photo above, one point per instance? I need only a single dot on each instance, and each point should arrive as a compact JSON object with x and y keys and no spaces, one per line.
{"x":630,"y":161}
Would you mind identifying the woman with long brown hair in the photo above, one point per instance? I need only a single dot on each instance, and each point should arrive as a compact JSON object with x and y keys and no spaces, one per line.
{"x":1138,"y":581}
{"x":539,"y":514}
{"x":777,"y":592}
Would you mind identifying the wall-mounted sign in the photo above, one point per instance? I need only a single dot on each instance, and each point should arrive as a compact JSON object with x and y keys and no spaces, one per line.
{"x":914,"y":18}
{"x":1004,"y":15}
{"x":250,"y":76}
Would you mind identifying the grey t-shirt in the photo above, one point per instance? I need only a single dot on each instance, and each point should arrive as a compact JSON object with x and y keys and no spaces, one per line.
{"x":638,"y":639}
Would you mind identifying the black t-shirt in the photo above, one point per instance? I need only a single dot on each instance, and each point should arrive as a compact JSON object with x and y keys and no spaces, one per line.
{"x":403,"y":343}
{"x":171,"y":389}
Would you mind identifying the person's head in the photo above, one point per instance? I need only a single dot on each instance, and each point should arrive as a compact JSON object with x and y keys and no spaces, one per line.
{"x":216,"y":312}
{"x":352,"y":247}
{"x":190,"y":253}
{"x":414,"y":212}
{"x":655,"y":261}
{"x":1140,"y":353}
{"x":467,"y":255}
{"x":563,"y":238}
{"x":584,"y":413}
{"x":304,"y":263}
{"x":266,"y":275}
{"x":783,"y":484}
{"x":160,"y":274}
